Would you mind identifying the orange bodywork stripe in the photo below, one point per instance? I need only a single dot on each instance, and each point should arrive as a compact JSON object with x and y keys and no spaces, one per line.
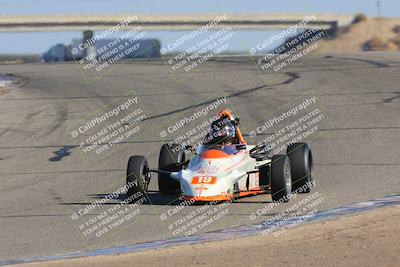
{"x":209,"y":198}
{"x":253,"y":192}
{"x":214,"y":154}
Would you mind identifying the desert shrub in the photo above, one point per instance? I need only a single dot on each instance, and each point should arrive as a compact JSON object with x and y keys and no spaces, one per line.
{"x":396,"y":29}
{"x":396,"y":41}
{"x":375,"y":44}
{"x":359,"y":18}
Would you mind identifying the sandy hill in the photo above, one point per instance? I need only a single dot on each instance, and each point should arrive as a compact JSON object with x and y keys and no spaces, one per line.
{"x":357,"y":35}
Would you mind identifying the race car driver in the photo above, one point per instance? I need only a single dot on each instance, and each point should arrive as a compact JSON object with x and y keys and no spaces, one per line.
{"x":224,"y":130}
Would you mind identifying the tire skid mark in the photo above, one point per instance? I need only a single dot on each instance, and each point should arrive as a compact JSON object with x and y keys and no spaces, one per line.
{"x":62,"y":115}
{"x":367,"y":61}
{"x":291,"y":78}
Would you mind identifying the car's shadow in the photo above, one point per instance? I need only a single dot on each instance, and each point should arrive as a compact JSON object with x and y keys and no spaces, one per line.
{"x":152,"y":198}
{"x":156,"y":198}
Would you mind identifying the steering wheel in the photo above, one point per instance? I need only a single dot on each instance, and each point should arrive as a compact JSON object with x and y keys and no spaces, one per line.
{"x":260,"y":152}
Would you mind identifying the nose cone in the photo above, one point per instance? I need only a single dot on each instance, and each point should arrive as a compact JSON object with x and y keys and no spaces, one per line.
{"x":198,"y":186}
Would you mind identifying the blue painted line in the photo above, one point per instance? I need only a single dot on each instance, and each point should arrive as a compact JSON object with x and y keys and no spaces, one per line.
{"x":229,"y":233}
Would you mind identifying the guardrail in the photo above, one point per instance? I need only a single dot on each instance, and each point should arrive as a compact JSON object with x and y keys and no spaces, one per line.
{"x":163,"y":22}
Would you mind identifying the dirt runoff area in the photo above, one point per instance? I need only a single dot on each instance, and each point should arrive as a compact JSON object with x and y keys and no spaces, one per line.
{"x":366,"y":239}
{"x":3,"y":90}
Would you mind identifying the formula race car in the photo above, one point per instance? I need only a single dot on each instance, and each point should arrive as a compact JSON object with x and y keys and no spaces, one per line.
{"x":225,"y":167}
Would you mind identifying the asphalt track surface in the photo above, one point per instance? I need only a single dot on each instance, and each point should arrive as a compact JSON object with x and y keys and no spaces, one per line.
{"x":44,"y":178}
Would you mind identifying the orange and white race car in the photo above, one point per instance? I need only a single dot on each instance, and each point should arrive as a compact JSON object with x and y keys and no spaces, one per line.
{"x":225,"y":167}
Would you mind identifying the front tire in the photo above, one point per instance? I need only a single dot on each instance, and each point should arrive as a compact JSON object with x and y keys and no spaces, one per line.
{"x":137,"y":175}
{"x":301,"y":163}
{"x":281,"y":181}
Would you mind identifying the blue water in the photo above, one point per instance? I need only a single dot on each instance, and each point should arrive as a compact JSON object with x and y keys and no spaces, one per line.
{"x":39,"y":42}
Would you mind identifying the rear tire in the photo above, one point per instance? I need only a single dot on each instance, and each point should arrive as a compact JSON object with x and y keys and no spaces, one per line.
{"x":281,"y":181}
{"x":301,"y":163}
{"x":137,"y":175}
{"x":170,"y":160}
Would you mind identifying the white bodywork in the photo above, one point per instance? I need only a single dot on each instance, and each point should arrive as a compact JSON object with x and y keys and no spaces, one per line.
{"x":212,"y":177}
